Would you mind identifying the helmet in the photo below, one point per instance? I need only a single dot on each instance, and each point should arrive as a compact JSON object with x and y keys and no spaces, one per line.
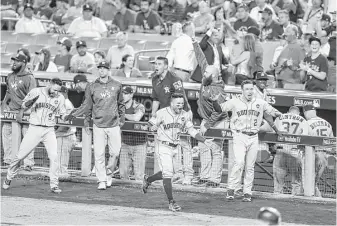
{"x":270,"y":215}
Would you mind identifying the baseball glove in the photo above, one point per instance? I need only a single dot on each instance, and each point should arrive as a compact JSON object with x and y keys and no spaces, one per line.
{"x":30,"y":103}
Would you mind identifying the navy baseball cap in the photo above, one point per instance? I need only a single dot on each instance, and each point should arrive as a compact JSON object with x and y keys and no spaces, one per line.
{"x":244,"y":6}
{"x":81,"y":43}
{"x":28,"y":5}
{"x":312,"y":39}
{"x":20,"y":58}
{"x":87,"y":7}
{"x":127,"y":89}
{"x":326,"y":17}
{"x":260,"y":75}
{"x":80,"y":78}
{"x":308,"y":107}
{"x":104,"y":64}
{"x":266,"y":10}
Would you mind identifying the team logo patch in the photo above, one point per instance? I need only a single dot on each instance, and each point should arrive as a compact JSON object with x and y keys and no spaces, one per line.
{"x":166,"y":89}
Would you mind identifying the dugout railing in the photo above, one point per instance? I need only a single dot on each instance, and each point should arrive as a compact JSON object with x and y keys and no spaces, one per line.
{"x":304,"y":167}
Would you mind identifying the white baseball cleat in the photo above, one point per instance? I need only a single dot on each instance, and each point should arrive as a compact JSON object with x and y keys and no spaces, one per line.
{"x":6,"y":184}
{"x":56,"y":190}
{"x":101,"y":186}
{"x":109,"y":181}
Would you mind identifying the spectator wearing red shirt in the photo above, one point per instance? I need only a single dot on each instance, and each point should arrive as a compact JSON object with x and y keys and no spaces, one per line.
{"x":172,"y":11}
{"x":244,"y":20}
{"x":271,"y":30}
{"x":147,"y":21}
{"x":125,"y":18}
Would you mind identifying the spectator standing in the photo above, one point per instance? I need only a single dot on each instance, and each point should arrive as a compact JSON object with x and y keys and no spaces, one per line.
{"x":203,"y":19}
{"x":116,"y":53}
{"x":255,"y":13}
{"x":42,"y":9}
{"x":125,"y":18}
{"x":19,"y":83}
{"x":28,"y":24}
{"x":135,"y":5}
{"x":64,"y":56}
{"x":88,"y":25}
{"x":312,"y":16}
{"x":258,"y":47}
{"x":134,"y":148}
{"x":172,"y":11}
{"x":315,"y":68}
{"x":271,"y":30}
{"x":191,"y":10}
{"x":66,"y":139}
{"x":181,"y":56}
{"x":147,"y":20}
{"x":287,"y":64}
{"x":104,"y":103}
{"x":83,"y":60}
{"x":244,"y":20}
{"x":127,"y":69}
{"x":45,"y":63}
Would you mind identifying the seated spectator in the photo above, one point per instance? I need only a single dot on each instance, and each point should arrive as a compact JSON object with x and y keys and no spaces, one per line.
{"x":107,"y":10}
{"x":25,"y":52}
{"x":147,"y":20}
{"x":83,"y":60}
{"x":258,"y":47}
{"x":315,"y":68}
{"x":61,"y":9}
{"x":133,"y":151}
{"x":28,"y":24}
{"x":116,"y":53}
{"x":271,"y":30}
{"x":8,"y":9}
{"x":312,"y":16}
{"x":245,"y":62}
{"x":191,"y":10}
{"x":42,"y":9}
{"x":244,"y":20}
{"x":332,"y":74}
{"x":125,"y":18}
{"x":255,"y":13}
{"x":72,"y":13}
{"x":63,"y":58}
{"x":172,"y":11}
{"x":284,"y":21}
{"x":88,"y":25}
{"x":135,"y":5}
{"x":45,"y":64}
{"x":99,"y":57}
{"x":203,"y":19}
{"x":127,"y":69}
{"x":288,"y":62}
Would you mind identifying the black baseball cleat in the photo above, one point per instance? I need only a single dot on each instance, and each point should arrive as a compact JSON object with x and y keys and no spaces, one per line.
{"x":230,"y":194}
{"x":173,"y":206}
{"x":146,"y":184}
{"x":247,"y":198}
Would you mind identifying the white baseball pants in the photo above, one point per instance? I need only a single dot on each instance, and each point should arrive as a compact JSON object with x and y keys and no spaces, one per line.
{"x":64,"y":146}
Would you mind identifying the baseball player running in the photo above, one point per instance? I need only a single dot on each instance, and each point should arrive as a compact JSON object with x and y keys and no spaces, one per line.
{"x":170,"y":122}
{"x":45,"y":104}
{"x":318,"y":127}
{"x":247,"y":115}
{"x":288,"y":158}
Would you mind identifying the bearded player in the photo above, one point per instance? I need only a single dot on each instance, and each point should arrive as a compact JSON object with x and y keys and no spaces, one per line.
{"x":169,"y":123}
{"x":45,"y":104}
{"x":247,"y":115}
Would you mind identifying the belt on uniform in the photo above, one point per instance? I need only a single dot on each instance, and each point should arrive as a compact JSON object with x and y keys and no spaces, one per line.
{"x":169,"y":144}
{"x":247,"y":133}
{"x":183,"y":70}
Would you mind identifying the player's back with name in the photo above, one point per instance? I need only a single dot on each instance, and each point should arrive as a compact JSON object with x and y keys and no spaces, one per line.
{"x":320,"y":127}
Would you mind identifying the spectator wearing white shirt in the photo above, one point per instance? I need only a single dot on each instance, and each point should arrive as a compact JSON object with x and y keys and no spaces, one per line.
{"x":88,"y":25}
{"x":45,"y":64}
{"x":181,"y":56}
{"x":116,"y":53}
{"x":83,"y":60}
{"x":28,"y":24}
{"x":261,"y":6}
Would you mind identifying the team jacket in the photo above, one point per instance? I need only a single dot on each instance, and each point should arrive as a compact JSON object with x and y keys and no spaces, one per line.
{"x":45,"y":108}
{"x":205,"y":105}
{"x":170,"y":125}
{"x":104,"y":103}
{"x":18,"y":86}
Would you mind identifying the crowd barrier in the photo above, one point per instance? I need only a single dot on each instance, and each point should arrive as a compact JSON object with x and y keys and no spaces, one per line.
{"x":304,"y":166}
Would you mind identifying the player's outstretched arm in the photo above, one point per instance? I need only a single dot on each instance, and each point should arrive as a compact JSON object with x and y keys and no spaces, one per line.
{"x":84,"y":109}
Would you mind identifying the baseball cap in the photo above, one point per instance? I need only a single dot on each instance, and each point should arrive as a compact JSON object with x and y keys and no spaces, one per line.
{"x":80,"y":78}
{"x":260,"y":75}
{"x":253,"y":30}
{"x":81,"y":43}
{"x":244,"y":6}
{"x":65,"y":41}
{"x":20,"y":58}
{"x":308,"y":107}
{"x":104,"y":64}
{"x":28,"y":5}
{"x":127,"y":89}
{"x":87,"y":7}
{"x":44,"y":51}
{"x":315,"y":39}
{"x":266,"y":10}
{"x":326,"y":17}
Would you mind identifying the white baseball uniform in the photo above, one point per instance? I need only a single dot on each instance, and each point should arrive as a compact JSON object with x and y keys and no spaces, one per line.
{"x":245,"y":124}
{"x":41,"y":129}
{"x":170,"y":126}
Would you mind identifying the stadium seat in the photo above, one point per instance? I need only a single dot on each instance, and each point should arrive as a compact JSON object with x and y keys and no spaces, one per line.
{"x":137,"y":44}
{"x":26,"y":38}
{"x":156,"y":45}
{"x":143,"y":63}
{"x":5,"y":58}
{"x":106,"y":43}
{"x":46,"y":39}
{"x":91,"y":42}
{"x":8,"y":36}
{"x":13,"y":47}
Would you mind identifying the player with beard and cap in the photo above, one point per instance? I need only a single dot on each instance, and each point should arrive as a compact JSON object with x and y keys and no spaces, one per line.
{"x":19,"y":83}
